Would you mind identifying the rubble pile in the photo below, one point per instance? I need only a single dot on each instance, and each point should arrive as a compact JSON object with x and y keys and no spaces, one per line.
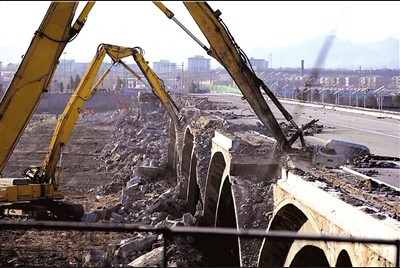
{"x":290,"y":130}
{"x":136,"y":142}
{"x":148,"y":193}
{"x":376,"y":199}
{"x":139,"y":188}
{"x":370,"y":161}
{"x":136,"y":160}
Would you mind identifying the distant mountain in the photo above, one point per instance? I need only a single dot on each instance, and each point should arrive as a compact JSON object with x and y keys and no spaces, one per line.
{"x":342,"y":54}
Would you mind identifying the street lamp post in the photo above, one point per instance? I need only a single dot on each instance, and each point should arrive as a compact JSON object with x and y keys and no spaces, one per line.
{"x":333,"y":88}
{"x":285,"y":89}
{"x":337,"y":101}
{"x":349,"y":96}
{"x":305,"y":91}
{"x":365,"y":91}
{"x":276,"y":89}
{"x":326,"y":88}
{"x":312,"y":94}
{"x":356,"y":95}
{"x":364,"y":98}
{"x":380,"y":97}
{"x":349,"y":87}
{"x":323,"y":94}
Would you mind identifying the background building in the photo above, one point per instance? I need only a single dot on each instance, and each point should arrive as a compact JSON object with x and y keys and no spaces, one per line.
{"x":198,"y":63}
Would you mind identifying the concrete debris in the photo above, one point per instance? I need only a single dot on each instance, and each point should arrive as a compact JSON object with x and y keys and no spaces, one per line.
{"x":149,"y":196}
{"x":371,"y":196}
{"x":150,"y":171}
{"x":138,"y":243}
{"x":91,"y":217}
{"x":154,"y":258}
{"x":94,"y":258}
{"x":289,"y":129}
{"x":146,"y":193}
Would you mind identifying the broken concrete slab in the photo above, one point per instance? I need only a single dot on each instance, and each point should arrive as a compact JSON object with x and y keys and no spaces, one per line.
{"x":154,"y":258}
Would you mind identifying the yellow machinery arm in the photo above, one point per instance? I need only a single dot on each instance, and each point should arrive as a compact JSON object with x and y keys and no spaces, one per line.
{"x":41,"y":185}
{"x":225,"y":50}
{"x":35,"y":72}
{"x":157,"y":86}
{"x":84,"y":92}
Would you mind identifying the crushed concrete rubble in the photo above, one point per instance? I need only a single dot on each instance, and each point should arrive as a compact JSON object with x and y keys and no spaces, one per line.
{"x":141,"y":190}
{"x":137,"y":159}
{"x":377,"y":199}
{"x":149,"y":194}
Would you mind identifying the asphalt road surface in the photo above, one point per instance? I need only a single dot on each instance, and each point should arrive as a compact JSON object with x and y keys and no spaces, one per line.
{"x":380,"y":132}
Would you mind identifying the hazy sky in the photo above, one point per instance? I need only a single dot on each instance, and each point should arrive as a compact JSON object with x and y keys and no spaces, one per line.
{"x":253,"y":25}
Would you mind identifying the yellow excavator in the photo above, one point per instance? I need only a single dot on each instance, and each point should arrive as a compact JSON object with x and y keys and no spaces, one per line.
{"x":24,"y":93}
{"x":38,"y":195}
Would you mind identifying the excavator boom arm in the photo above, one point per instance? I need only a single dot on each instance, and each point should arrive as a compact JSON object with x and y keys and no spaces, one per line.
{"x":67,"y":119}
{"x":228,"y":54}
{"x":35,"y":72}
{"x":157,"y":86}
{"x":84,"y":91}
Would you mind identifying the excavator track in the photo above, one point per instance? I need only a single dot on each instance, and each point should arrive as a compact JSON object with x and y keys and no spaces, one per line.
{"x":65,"y":210}
{"x":54,"y":210}
{"x":24,"y":210}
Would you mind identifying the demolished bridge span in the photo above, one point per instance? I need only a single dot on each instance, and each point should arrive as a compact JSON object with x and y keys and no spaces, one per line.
{"x":230,"y":173}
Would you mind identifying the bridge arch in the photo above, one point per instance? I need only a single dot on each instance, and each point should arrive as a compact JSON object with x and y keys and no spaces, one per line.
{"x":186,"y":159}
{"x":343,"y":260}
{"x":193,"y":194}
{"x":291,"y":215}
{"x":288,"y":218}
{"x":310,"y":256}
{"x":226,"y":217}
{"x":188,"y":143}
{"x":227,"y":246}
{"x":216,"y":172}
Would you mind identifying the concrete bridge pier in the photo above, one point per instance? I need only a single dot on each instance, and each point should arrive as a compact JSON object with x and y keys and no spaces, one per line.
{"x":238,"y":192}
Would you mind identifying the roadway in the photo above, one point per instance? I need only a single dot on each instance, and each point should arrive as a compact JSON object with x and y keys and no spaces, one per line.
{"x":380,"y":132}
